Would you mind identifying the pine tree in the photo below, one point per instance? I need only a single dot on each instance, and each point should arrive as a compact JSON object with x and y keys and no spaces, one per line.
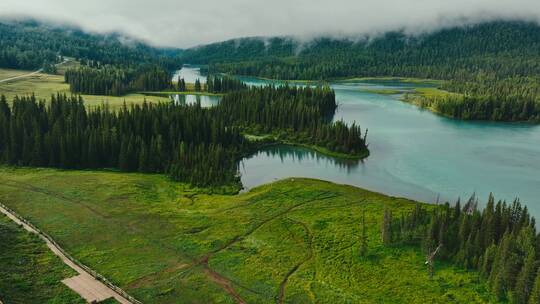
{"x":525,"y":280}
{"x":535,"y":294}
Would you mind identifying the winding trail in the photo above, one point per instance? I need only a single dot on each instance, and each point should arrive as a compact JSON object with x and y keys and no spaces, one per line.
{"x":21,"y":76}
{"x":281,"y":295}
{"x":227,"y":284}
{"x":84,"y":284}
{"x":31,"y":74}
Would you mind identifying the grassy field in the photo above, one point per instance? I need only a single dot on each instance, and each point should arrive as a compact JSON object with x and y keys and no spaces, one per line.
{"x":385,"y":91}
{"x":424,"y":81}
{"x":431,"y":92}
{"x":427,"y":98}
{"x":44,"y":85}
{"x":8,"y":73}
{"x":293,"y":241}
{"x":29,"y":271}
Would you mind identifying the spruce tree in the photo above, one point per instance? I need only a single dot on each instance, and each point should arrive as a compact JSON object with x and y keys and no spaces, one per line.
{"x":535,"y":293}
{"x":525,"y":280}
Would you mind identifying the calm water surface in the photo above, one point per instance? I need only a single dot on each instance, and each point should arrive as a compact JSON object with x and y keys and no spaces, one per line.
{"x":205,"y":101}
{"x":415,"y":153}
{"x":190,"y":75}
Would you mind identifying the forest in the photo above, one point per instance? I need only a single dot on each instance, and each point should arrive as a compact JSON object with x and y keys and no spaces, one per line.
{"x":307,"y":118}
{"x":497,"y":62}
{"x":31,"y":44}
{"x":109,"y":65}
{"x":500,"y":242}
{"x":110,"y":80}
{"x":189,"y":143}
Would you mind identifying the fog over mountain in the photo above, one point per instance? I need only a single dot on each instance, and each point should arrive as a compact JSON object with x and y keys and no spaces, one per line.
{"x":181,"y":23}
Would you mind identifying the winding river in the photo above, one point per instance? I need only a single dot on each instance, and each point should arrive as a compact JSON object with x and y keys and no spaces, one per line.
{"x":414,"y":153}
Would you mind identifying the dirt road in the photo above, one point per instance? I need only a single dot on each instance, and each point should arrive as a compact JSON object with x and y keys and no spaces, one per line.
{"x":84,"y":284}
{"x":21,"y":76}
{"x":33,"y":73}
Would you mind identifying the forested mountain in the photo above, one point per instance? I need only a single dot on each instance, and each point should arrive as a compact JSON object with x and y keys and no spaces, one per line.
{"x":28,"y":44}
{"x":503,"y":48}
{"x":496,"y":64}
{"x":110,"y":64}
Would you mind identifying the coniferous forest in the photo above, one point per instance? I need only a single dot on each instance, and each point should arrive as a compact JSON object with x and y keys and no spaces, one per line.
{"x":496,"y":66}
{"x":109,"y":66}
{"x":30,"y":44}
{"x":110,"y":80}
{"x":189,"y":143}
{"x":500,"y":242}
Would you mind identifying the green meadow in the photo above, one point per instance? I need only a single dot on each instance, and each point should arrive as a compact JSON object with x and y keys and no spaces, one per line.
{"x":30,"y":272}
{"x":44,"y":85}
{"x":292,"y":241}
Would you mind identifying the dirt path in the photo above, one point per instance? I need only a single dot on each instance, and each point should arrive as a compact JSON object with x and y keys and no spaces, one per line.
{"x":32,"y":73}
{"x":281,"y":295}
{"x":226,"y":283}
{"x":84,"y":284}
{"x":21,"y":76}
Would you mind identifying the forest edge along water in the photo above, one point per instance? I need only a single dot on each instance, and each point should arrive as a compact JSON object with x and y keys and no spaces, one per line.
{"x":414,"y":153}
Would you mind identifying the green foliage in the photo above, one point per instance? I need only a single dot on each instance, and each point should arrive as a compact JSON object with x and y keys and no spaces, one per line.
{"x":30,"y":272}
{"x":27,"y":45}
{"x":224,"y":84}
{"x":189,"y":143}
{"x":500,"y":242}
{"x":149,"y":236}
{"x":113,"y":81}
{"x":496,"y":65}
{"x":305,"y":120}
{"x":511,"y":99}
{"x":198,"y":86}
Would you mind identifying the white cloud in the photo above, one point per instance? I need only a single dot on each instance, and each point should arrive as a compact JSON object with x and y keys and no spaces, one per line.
{"x":187,"y":23}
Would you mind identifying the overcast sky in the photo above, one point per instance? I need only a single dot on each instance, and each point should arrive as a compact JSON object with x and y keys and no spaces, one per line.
{"x":184,"y":23}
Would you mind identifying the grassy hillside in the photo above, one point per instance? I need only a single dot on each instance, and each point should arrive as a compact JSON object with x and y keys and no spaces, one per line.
{"x":30,"y":272}
{"x":293,"y":241}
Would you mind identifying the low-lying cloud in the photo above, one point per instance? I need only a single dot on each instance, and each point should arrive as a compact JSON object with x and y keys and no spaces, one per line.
{"x":182,"y":23}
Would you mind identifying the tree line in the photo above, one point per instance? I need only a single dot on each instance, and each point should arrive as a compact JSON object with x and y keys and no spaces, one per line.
{"x":296,"y":114}
{"x":500,"y":242}
{"x":495,"y":64}
{"x":31,"y":45}
{"x":189,"y":143}
{"x":110,"y":80}
{"x":224,"y":84}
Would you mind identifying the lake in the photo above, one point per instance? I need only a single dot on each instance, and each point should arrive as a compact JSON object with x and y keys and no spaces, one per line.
{"x":414,"y":153}
{"x":205,"y":101}
{"x":190,"y":74}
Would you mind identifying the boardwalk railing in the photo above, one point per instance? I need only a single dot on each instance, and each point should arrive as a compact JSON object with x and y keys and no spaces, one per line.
{"x":90,"y":271}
